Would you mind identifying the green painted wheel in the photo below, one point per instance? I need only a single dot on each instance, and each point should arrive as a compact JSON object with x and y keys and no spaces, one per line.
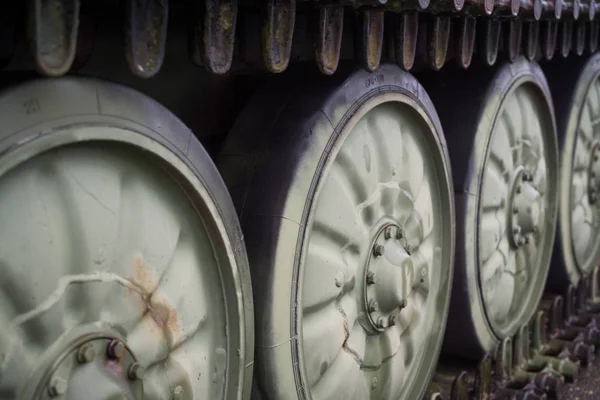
{"x":345,"y":195}
{"x":123,"y":272}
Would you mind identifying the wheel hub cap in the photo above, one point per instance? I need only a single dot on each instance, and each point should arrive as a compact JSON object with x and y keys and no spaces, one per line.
{"x":526,"y":208}
{"x":389,"y":276}
{"x":594,"y":174}
{"x":103,"y":362}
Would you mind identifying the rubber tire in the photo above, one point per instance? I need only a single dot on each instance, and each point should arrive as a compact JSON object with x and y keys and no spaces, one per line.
{"x":570,"y":80}
{"x":285,"y":132}
{"x":483,"y":88}
{"x":37,"y":108}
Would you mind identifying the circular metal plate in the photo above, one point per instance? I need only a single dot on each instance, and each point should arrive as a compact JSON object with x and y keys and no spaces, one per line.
{"x":516,"y":208}
{"x":109,"y":230}
{"x":384,"y":173}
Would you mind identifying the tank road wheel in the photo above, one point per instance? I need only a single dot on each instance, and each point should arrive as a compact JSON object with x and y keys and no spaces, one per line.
{"x":344,"y":190}
{"x":123,"y":273}
{"x":503,"y":148}
{"x":578,"y":111}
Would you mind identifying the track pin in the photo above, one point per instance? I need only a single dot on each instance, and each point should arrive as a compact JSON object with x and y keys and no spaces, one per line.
{"x":218,"y":35}
{"x":548,"y":38}
{"x":53,"y":33}
{"x":277,"y":34}
{"x":466,"y":41}
{"x":512,"y":38}
{"x":406,"y":28}
{"x":530,"y":39}
{"x":329,"y":39}
{"x":490,"y":40}
{"x":438,"y":42}
{"x":370,"y":38}
{"x":552,"y":8}
{"x":146,"y":36}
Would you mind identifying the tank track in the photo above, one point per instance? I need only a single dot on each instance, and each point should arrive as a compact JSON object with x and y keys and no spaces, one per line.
{"x":225,"y":34}
{"x":540,"y":361}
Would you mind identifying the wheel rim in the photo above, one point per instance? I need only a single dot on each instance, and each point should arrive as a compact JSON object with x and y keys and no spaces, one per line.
{"x":584,"y":185}
{"x":134,"y":255}
{"x":377,"y":263}
{"x":515,"y":227}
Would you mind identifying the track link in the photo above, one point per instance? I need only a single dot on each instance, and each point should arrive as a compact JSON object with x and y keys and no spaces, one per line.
{"x":541,"y":361}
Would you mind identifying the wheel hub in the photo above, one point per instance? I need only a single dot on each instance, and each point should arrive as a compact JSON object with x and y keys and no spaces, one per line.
{"x":97,"y":365}
{"x":594,"y":174}
{"x":389,"y":276}
{"x":525,"y":203}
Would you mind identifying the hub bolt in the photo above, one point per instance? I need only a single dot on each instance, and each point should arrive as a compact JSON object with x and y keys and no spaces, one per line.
{"x":399,"y":233}
{"x":370,"y":277}
{"x":389,"y":232}
{"x":177,"y":393}
{"x":115,"y":349}
{"x":373,"y":306}
{"x":86,"y":353}
{"x":57,"y":387}
{"x":378,"y":250}
{"x":136,"y":371}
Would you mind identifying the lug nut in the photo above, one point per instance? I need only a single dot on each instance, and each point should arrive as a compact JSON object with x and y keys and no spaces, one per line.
{"x":136,"y":371}
{"x":115,"y":349}
{"x":177,"y":393}
{"x":389,"y":232}
{"x":381,"y":323}
{"x":57,"y":387}
{"x":373,"y":306}
{"x":399,"y":233}
{"x":370,"y":277}
{"x":86,"y":353}
{"x":378,"y":250}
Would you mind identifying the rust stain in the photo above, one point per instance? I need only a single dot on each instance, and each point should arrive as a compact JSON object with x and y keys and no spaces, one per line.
{"x":159,"y":316}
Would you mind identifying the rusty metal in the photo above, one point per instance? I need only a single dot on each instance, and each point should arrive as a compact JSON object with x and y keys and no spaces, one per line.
{"x":146,"y":36}
{"x":405,"y":28}
{"x":218,"y":35}
{"x":593,"y":36}
{"x":565,"y":37}
{"x":370,"y":38}
{"x":489,"y":40}
{"x":531,"y":39}
{"x":438,"y":41}
{"x":579,"y":37}
{"x":277,"y":34}
{"x":53,"y":28}
{"x":512,"y":38}
{"x":329,"y":39}
{"x":466,"y":29}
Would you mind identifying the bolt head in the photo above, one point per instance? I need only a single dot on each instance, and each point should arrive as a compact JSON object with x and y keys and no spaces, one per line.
{"x":57,"y":387}
{"x":339,"y":279}
{"x":378,"y":250}
{"x":177,"y":393}
{"x":370,"y":277}
{"x":373,"y":306}
{"x":399,"y":233}
{"x":136,"y":371}
{"x":86,"y":353}
{"x":115,"y":349}
{"x":382,"y":323}
{"x":389,"y":232}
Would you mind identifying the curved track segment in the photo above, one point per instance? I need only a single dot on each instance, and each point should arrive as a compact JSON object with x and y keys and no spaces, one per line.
{"x":123,"y":268}
{"x":502,"y":142}
{"x":577,"y":251}
{"x":345,"y":195}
